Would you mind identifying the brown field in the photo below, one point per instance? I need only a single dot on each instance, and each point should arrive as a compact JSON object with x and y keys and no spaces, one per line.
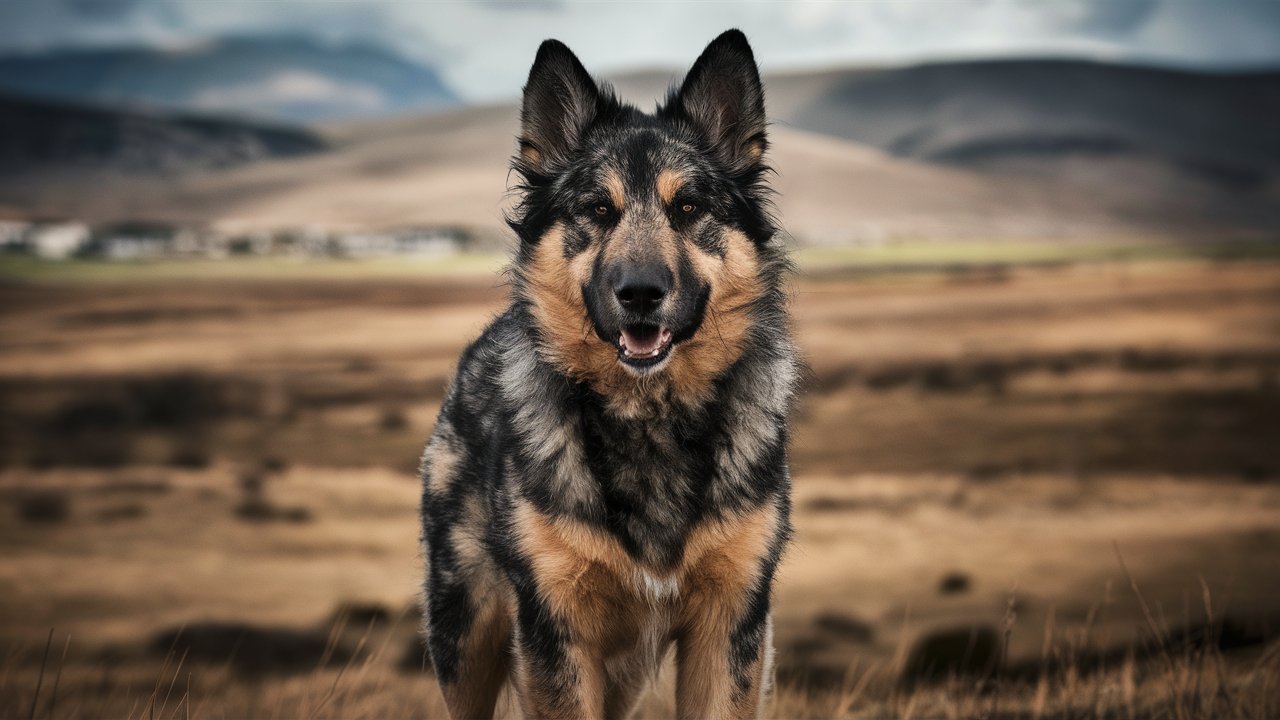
{"x":1022,"y":490}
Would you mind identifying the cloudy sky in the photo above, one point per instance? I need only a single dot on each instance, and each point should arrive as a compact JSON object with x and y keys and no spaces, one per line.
{"x":483,"y":49}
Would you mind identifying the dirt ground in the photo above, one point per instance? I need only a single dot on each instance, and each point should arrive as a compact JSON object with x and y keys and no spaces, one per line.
{"x":1030,"y":467}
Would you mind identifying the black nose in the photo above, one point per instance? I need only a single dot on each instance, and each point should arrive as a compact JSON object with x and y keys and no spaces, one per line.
{"x":641,"y":289}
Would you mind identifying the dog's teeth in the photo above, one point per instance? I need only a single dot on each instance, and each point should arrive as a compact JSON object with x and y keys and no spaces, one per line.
{"x":663,"y":342}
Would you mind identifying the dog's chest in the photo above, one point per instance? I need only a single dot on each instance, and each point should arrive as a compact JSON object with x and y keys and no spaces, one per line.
{"x":653,"y":488}
{"x":656,"y":589}
{"x":652,"y":621}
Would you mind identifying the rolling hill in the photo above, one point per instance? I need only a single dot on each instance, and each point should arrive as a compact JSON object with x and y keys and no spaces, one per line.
{"x":451,"y":169}
{"x":979,"y":150}
{"x":38,"y":135}
{"x":1222,"y":128}
{"x":276,"y":78}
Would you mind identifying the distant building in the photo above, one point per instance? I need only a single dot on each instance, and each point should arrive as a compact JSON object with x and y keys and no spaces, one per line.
{"x":429,"y":242}
{"x":305,"y":241}
{"x":412,"y":242}
{"x":258,"y":242}
{"x":59,"y":240}
{"x":138,"y":240}
{"x":190,"y":242}
{"x":13,"y":236}
{"x":364,"y":245}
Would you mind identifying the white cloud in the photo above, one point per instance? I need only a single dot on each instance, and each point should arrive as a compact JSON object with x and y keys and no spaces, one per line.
{"x":290,"y":87}
{"x":483,"y":49}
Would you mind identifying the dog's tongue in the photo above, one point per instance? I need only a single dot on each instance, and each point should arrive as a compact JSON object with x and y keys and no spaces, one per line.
{"x":644,"y":340}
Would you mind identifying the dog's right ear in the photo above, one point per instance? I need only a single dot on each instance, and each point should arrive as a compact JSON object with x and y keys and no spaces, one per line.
{"x":560,"y":101}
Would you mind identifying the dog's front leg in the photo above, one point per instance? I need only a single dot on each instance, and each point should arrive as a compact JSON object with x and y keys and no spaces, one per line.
{"x":724,"y":637}
{"x":557,"y":675}
{"x":724,"y":658}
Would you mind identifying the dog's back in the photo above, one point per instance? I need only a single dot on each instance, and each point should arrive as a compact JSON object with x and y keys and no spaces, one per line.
{"x":607,"y":478}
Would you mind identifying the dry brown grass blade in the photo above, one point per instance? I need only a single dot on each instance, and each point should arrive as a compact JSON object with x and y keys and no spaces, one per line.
{"x":1155,"y":629}
{"x":1128,"y":686}
{"x":1211,"y":653}
{"x":1046,"y":646}
{"x":168,"y":657}
{"x":849,"y":696}
{"x":331,"y":644}
{"x":176,"y":671}
{"x":1010,"y":618}
{"x":380,"y":652}
{"x":364,"y":638}
{"x":57,"y":678}
{"x":40,"y":678}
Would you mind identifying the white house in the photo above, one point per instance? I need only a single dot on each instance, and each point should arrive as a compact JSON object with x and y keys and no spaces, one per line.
{"x":13,"y":234}
{"x":57,"y":241}
{"x":134,"y":240}
{"x":428,"y":242}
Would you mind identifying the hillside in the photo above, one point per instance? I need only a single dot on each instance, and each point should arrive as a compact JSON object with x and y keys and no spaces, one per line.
{"x":38,"y":135}
{"x":277,"y":78}
{"x":1221,"y":128}
{"x":978,"y":150}
{"x":451,"y":168}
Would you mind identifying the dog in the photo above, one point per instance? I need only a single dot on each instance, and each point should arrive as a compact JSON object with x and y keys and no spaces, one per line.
{"x":607,"y":479}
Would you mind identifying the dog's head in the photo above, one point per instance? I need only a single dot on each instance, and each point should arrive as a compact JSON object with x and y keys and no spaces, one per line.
{"x":647,"y":255}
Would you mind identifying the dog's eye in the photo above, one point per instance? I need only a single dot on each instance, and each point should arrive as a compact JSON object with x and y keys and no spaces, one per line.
{"x":602,"y":210}
{"x":688,"y":208}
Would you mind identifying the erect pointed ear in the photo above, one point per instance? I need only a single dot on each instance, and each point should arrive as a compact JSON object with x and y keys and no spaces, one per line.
{"x":723,"y":98}
{"x":560,"y":101}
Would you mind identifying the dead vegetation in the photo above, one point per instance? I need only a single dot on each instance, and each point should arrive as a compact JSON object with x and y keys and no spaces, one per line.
{"x":348,"y":670}
{"x":1043,"y":492}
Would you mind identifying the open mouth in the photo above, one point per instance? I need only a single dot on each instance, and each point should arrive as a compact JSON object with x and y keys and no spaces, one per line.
{"x":643,"y":345}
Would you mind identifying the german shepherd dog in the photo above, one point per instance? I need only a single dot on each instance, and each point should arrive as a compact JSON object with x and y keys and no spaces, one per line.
{"x":608,"y":476}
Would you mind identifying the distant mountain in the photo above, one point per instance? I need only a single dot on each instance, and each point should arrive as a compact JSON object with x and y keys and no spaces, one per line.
{"x":1034,"y":116}
{"x":991,"y":150}
{"x":277,"y":78}
{"x":37,"y":135}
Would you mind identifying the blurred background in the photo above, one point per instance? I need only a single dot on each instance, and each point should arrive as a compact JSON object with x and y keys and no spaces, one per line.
{"x":1036,"y":462}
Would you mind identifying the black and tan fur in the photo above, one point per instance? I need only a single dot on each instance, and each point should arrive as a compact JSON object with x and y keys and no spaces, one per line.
{"x":608,"y":477}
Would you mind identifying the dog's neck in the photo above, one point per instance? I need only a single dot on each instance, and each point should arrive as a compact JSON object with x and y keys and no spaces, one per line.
{"x":650,"y":475}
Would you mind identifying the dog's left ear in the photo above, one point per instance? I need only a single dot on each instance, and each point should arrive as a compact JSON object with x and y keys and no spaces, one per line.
{"x":560,"y":102}
{"x":722,"y":96}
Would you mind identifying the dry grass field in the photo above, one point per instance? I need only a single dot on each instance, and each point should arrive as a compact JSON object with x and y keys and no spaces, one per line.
{"x":1027,"y":489}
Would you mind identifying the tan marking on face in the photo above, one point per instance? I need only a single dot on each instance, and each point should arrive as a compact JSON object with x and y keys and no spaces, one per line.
{"x":669,"y":183}
{"x":555,"y":287}
{"x":667,"y":242}
{"x":615,"y":245}
{"x":637,"y":237}
{"x":531,"y":155}
{"x":719,"y":342}
{"x":617,"y":191}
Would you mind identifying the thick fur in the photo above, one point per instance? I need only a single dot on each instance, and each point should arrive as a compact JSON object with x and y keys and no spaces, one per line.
{"x":583,"y":512}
